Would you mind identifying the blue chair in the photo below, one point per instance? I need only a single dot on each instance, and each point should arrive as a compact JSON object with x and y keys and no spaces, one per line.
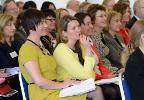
{"x":126,"y":90}
{"x":24,"y":87}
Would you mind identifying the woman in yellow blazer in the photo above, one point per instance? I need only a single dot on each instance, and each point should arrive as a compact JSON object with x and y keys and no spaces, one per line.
{"x":37,"y":65}
{"x":71,"y":62}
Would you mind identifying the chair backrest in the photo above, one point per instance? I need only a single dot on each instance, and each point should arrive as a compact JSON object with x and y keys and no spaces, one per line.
{"x":126,"y":90}
{"x":24,"y":87}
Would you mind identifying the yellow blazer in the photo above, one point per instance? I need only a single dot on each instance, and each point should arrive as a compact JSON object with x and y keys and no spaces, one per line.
{"x":68,"y":65}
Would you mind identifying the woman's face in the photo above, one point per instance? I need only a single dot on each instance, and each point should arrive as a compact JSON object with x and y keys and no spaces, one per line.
{"x":73,"y":31}
{"x":115,"y":23}
{"x":51,"y":23}
{"x":9,"y":29}
{"x":100,"y":19}
{"x":126,"y":15}
{"x":40,"y":29}
{"x":87,"y":26}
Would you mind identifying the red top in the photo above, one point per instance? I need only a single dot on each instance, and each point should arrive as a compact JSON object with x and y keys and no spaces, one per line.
{"x":124,"y":33}
{"x":103,"y":69}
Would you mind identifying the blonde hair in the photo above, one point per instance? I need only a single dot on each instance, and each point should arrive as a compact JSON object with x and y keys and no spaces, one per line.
{"x":6,"y":3}
{"x":4,"y":19}
{"x":110,"y":15}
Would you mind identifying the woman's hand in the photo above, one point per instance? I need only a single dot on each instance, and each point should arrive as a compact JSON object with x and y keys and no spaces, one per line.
{"x":86,"y":44}
{"x":112,"y":75}
{"x":3,"y":73}
{"x":84,"y":41}
{"x":68,"y":83}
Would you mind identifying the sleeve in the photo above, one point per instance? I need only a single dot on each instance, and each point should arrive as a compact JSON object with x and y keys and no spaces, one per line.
{"x":27,"y":53}
{"x":66,"y":59}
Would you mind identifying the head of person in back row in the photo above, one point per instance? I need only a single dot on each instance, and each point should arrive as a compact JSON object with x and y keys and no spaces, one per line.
{"x":108,"y":4}
{"x":11,"y":8}
{"x":29,"y":4}
{"x":138,"y":9}
{"x":48,"y":5}
{"x":73,"y":6}
{"x":20,"y":5}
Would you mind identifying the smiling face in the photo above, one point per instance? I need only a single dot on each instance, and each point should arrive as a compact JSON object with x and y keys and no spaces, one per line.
{"x":73,"y":31}
{"x":87,"y":26}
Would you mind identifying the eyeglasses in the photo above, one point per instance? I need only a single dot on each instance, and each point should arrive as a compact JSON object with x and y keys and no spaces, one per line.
{"x":51,"y":19}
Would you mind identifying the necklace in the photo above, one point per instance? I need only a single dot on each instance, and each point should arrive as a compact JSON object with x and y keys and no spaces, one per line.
{"x":36,"y":45}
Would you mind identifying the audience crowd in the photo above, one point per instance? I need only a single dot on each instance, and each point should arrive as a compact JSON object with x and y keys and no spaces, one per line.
{"x":57,"y":48}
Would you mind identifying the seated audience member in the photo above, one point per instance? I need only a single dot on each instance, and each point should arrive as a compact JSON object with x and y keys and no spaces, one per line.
{"x":49,"y":40}
{"x":134,"y":73}
{"x":9,"y":48}
{"x":20,"y":5}
{"x":138,"y":13}
{"x":39,"y":67}
{"x":73,"y":7}
{"x":124,"y":9}
{"x":108,"y":4}
{"x":84,"y":6}
{"x":71,"y":61}
{"x":100,"y":69}
{"x":29,"y":4}
{"x":48,"y":5}
{"x":113,"y":40}
{"x":98,"y":15}
{"x":60,"y":13}
{"x":10,"y":7}
{"x":20,"y":34}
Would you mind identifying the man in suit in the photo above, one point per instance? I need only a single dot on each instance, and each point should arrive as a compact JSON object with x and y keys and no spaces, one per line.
{"x":138,"y":9}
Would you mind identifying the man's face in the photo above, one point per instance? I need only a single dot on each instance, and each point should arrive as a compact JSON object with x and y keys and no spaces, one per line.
{"x":140,"y":9}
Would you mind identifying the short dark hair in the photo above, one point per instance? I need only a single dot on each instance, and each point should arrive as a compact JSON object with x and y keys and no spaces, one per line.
{"x":93,"y":8}
{"x":121,"y":7}
{"x":46,"y":5}
{"x":30,"y":19}
{"x":29,"y":4}
{"x":49,"y":13}
{"x":81,"y":16}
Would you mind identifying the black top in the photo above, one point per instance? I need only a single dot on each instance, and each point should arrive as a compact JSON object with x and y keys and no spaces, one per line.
{"x":135,"y":74}
{"x":9,"y":55}
{"x":47,"y":43}
{"x":131,"y":22}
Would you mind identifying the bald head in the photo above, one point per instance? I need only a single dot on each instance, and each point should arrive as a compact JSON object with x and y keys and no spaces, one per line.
{"x":138,"y":8}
